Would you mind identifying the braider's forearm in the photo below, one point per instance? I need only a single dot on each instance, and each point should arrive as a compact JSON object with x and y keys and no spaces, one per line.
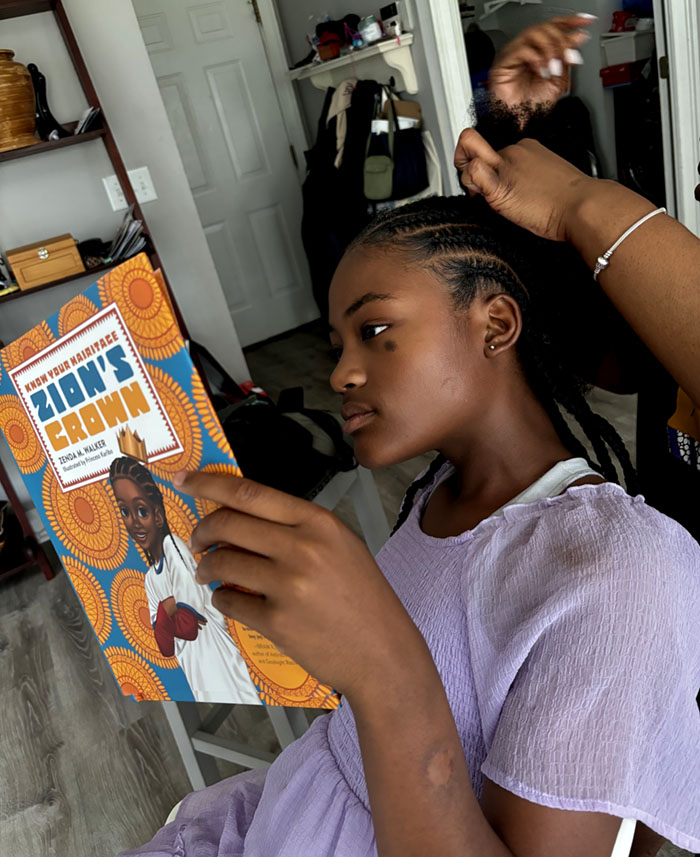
{"x":420,"y":793}
{"x":653,"y":277}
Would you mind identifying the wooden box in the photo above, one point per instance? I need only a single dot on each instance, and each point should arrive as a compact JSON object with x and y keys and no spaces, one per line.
{"x":45,"y":261}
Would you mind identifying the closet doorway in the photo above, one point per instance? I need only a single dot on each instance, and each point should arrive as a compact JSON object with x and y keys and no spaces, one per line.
{"x":664,"y":121}
{"x":210,"y":63}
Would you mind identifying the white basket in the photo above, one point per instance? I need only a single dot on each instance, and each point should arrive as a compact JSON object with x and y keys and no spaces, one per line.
{"x":626,"y":47}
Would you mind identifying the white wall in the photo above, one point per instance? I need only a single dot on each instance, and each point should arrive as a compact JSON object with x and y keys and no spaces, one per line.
{"x":49,"y":194}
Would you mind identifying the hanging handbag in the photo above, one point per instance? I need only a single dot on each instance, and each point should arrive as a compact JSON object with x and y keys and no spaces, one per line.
{"x":403,"y":154}
{"x":379,"y":168}
{"x":410,"y":165}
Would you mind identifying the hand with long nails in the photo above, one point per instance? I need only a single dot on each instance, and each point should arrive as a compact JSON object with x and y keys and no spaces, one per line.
{"x":534,"y":68}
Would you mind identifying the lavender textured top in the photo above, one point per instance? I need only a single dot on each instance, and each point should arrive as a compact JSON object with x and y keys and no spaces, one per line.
{"x":566,"y":634}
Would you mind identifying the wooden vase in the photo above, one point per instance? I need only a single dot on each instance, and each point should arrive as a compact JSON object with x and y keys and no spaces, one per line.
{"x":17,"y":119}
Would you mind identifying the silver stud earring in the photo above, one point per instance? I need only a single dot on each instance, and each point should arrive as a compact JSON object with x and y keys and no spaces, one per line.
{"x":492,"y":347}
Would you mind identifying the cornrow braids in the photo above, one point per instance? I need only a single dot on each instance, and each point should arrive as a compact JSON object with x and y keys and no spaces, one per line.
{"x":476,"y":252}
{"x":129,"y":468}
{"x":415,"y":487}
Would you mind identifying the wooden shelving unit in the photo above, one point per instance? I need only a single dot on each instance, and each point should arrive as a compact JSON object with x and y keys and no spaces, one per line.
{"x":52,"y":145}
{"x":87,"y":273}
{"x":30,"y":552}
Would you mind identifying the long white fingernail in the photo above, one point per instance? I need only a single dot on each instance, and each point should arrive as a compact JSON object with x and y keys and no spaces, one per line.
{"x":573,"y":57}
{"x":556,"y":67}
{"x":587,"y":15}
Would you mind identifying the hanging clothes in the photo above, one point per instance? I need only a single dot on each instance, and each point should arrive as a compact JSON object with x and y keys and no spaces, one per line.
{"x":335,"y":209}
{"x":338,"y":110}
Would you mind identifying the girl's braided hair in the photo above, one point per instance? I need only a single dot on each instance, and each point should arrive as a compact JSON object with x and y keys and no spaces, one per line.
{"x":129,"y":468}
{"x":476,"y":252}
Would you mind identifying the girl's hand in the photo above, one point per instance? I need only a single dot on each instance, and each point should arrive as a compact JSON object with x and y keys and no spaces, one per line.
{"x":535,"y":67}
{"x":314,"y":589}
{"x":526,"y":183}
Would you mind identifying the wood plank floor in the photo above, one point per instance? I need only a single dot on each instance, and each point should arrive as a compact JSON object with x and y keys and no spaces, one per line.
{"x":83,"y":771}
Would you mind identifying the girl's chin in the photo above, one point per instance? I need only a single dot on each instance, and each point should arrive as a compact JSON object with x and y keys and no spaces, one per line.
{"x":374,"y":457}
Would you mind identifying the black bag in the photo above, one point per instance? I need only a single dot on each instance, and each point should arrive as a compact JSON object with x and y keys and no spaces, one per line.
{"x":405,"y":148}
{"x":286,"y":446}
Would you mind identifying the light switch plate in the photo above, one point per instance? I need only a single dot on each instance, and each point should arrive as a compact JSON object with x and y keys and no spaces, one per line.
{"x":142,"y":183}
{"x":115,"y":193}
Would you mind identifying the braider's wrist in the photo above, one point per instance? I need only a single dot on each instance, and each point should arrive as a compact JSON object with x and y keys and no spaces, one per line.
{"x":599,"y":212}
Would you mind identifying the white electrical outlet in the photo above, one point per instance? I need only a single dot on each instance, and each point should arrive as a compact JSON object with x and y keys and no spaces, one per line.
{"x":115,"y":193}
{"x":142,"y":183}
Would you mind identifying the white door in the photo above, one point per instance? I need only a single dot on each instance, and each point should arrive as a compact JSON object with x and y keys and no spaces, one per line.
{"x":210,"y":63}
{"x":678,"y":40}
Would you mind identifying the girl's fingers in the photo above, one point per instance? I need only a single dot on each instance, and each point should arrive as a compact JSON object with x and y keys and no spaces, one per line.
{"x":226,"y":526}
{"x":472,"y":145}
{"x":246,"y":496}
{"x":236,"y":568}
{"x":249,"y":609}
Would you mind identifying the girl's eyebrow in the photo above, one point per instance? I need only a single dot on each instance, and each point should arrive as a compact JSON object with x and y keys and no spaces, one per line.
{"x":360,"y":302}
{"x":365,"y":299}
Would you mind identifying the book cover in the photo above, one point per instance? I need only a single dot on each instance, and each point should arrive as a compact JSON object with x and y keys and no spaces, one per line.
{"x":101,"y":406}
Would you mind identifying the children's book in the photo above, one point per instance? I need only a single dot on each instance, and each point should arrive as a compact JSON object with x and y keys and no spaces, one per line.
{"x":101,"y":406}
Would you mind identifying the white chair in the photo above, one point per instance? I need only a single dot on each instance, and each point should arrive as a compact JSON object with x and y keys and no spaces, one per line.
{"x":625,"y":837}
{"x":195,"y":737}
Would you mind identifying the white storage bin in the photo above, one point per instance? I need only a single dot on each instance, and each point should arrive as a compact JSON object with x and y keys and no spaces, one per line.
{"x":626,"y":47}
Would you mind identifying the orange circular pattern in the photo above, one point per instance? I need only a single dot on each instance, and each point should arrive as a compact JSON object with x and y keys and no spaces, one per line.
{"x":15,"y":425}
{"x":207,"y":415}
{"x":206,"y":507}
{"x":130,"y":606}
{"x":75,"y":312}
{"x":87,"y":522}
{"x":91,"y":596}
{"x":134,"y":676}
{"x":27,"y":346}
{"x":283,"y":683}
{"x":144,"y":307}
{"x":184,"y":419}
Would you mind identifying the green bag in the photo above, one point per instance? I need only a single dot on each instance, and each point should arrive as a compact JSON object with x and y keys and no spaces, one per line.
{"x":379,"y":170}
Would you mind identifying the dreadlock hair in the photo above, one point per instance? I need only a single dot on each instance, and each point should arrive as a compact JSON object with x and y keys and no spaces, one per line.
{"x":129,"y":468}
{"x":476,"y":252}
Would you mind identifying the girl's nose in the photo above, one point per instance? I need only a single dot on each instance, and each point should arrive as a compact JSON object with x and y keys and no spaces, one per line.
{"x":347,"y":375}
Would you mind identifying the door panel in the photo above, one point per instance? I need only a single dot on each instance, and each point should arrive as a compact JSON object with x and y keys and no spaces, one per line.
{"x":679,"y":21}
{"x":217,"y":89}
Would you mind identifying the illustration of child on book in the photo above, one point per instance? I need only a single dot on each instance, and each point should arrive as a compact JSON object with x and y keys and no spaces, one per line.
{"x":184,"y":621}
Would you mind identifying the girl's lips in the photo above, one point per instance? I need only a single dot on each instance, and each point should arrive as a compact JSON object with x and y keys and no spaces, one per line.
{"x":358,"y":421}
{"x":140,"y":536}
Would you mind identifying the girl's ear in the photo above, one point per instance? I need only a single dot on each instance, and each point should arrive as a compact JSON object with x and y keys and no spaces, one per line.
{"x":504,"y":324}
{"x":159,"y":517}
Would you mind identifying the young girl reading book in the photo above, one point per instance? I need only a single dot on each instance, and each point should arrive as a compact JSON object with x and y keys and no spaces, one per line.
{"x":184,"y":622}
{"x":521,"y":674}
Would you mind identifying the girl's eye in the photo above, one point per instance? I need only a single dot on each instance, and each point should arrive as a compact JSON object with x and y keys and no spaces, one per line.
{"x":124,"y":511}
{"x":142,"y":512}
{"x":369,"y":331}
